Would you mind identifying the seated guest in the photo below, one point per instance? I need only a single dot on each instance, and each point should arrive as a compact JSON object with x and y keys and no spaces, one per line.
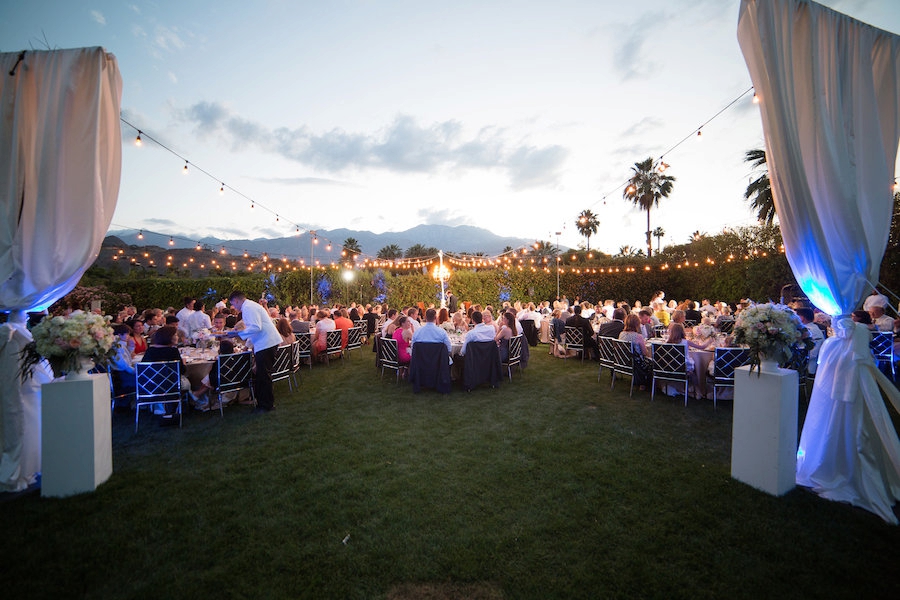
{"x":614,"y":327}
{"x":403,"y":336}
{"x":390,"y":324}
{"x":479,"y":333}
{"x":324,"y":324}
{"x":676,"y":336}
{"x":162,"y":349}
{"x":299,"y":325}
{"x":284,"y":329}
{"x":579,"y":322}
{"x":218,"y":323}
{"x":645,"y":318}
{"x":430,"y":332}
{"x":815,"y":334}
{"x":881,"y":320}
{"x":371,"y":319}
{"x":231,"y":318}
{"x":136,"y":340}
{"x":643,"y":370}
{"x":660,"y":312}
{"x":862,"y":317}
{"x":443,"y":316}
{"x":459,"y":322}
{"x":487,"y":317}
{"x":211,"y":381}
{"x":342,"y":321}
{"x":692,"y":314}
{"x":121,"y":367}
{"x":507,"y":331}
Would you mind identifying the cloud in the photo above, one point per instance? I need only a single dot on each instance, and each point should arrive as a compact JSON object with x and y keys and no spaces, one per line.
{"x":303,"y":181}
{"x":172,"y":77}
{"x":98,"y":17}
{"x":641,"y":127}
{"x":158,"y":221}
{"x":403,"y":146}
{"x":167,"y":38}
{"x":443,"y":216}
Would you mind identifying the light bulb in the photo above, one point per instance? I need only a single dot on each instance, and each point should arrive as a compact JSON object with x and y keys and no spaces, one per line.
{"x":141,"y":234}
{"x":755,"y":98}
{"x":222,"y":188}
{"x":171,"y":241}
{"x":699,"y":133}
{"x":138,"y":141}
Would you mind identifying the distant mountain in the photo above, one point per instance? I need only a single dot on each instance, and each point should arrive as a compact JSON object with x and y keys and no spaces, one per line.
{"x":459,"y":239}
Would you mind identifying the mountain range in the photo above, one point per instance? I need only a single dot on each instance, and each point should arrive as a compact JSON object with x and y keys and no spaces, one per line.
{"x":459,"y":239}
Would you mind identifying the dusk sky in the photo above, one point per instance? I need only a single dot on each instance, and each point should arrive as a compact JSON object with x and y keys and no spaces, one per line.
{"x":382,"y":115}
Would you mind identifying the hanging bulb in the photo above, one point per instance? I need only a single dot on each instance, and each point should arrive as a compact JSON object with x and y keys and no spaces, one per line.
{"x":315,"y":240}
{"x":198,"y":245}
{"x":755,"y":97}
{"x":185,"y":170}
{"x":222,"y":251}
{"x":328,"y":247}
{"x":277,"y":218}
{"x":141,"y":234}
{"x":699,"y":133}
{"x":245,"y":254}
{"x":222,"y":188}
{"x":138,"y":141}
{"x":252,"y":204}
{"x":171,"y":241}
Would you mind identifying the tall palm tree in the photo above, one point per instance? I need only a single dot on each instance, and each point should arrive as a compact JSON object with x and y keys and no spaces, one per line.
{"x":390,"y":252}
{"x":647,"y":185}
{"x":352,"y":247}
{"x":587,"y":225}
{"x":759,"y":191}
{"x":659,"y":233}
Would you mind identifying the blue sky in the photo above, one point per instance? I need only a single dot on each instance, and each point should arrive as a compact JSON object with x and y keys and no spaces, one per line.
{"x":512,"y":116}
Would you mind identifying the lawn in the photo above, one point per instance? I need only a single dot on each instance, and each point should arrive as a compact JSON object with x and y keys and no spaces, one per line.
{"x":550,"y":487}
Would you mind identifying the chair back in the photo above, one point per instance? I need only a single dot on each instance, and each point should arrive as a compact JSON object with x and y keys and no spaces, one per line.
{"x":661,"y":331}
{"x":514,"y":354}
{"x":304,"y":346}
{"x":387,"y":355}
{"x":726,"y":325}
{"x":622,"y":355}
{"x":234,"y":371}
{"x":530,"y":331}
{"x":333,"y":344}
{"x":670,"y":362}
{"x":281,"y":367}
{"x":363,"y":327}
{"x":607,"y":358}
{"x":482,"y":364}
{"x":725,"y":362}
{"x":157,"y":383}
{"x":882,"y":345}
{"x":574,"y":340}
{"x":690,"y":323}
{"x":354,"y":337}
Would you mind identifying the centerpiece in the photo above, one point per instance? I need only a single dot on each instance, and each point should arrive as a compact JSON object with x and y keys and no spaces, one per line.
{"x":769,"y":330}
{"x":705,"y":331}
{"x":71,"y":345}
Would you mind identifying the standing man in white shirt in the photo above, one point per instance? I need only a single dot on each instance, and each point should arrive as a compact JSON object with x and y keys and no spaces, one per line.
{"x":261,"y":331}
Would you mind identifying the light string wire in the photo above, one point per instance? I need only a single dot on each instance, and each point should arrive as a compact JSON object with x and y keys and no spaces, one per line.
{"x":460,"y":259}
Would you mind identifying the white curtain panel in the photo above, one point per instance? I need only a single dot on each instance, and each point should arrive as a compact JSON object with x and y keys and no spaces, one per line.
{"x":830,"y":105}
{"x":60,"y":163}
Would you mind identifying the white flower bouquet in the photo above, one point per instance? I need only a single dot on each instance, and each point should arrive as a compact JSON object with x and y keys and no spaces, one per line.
{"x":68,"y":341}
{"x":769,"y":330}
{"x":704,"y":331}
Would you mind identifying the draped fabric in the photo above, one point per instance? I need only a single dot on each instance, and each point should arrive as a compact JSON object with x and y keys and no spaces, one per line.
{"x":830,"y":106}
{"x":60,"y":162}
{"x":829,"y":89}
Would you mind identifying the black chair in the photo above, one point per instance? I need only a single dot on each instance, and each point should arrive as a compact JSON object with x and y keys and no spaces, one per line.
{"x":482,"y":365}
{"x":551,"y":329}
{"x":333,"y":345}
{"x":607,"y":359}
{"x":354,"y":339}
{"x":574,"y":341}
{"x":304,"y":347}
{"x":234,"y":372}
{"x":725,"y":362}
{"x":387,"y":356}
{"x":799,"y":361}
{"x":690,"y":323}
{"x":670,"y":364}
{"x":430,"y":367}
{"x":623,"y":361}
{"x":157,"y":383}
{"x":513,"y":355}
{"x":530,"y":331}
{"x":281,"y":367}
{"x":296,"y":361}
{"x":882,"y":346}
{"x":363,"y":329}
{"x":726,"y":325}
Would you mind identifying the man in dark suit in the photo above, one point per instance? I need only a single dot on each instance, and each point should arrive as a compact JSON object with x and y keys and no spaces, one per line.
{"x":613,"y":328}
{"x":579,"y":322}
{"x":451,"y":302}
{"x":692,"y":314}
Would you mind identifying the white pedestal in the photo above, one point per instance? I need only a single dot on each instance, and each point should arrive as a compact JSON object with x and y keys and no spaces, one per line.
{"x":764,"y":430}
{"x":76,"y":436}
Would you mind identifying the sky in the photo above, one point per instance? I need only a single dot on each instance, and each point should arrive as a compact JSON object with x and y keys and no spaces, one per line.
{"x":383,"y":115}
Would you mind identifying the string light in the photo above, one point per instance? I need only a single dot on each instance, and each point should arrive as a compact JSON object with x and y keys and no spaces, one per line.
{"x":137,"y":141}
{"x":222,"y":188}
{"x":141,"y":234}
{"x":755,"y":97}
{"x":171,"y":241}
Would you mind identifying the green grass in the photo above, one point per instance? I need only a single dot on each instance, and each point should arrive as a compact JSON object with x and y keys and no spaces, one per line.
{"x":550,"y":487}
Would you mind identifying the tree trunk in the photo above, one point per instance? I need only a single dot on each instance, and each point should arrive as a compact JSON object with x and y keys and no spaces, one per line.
{"x":649,"y":243}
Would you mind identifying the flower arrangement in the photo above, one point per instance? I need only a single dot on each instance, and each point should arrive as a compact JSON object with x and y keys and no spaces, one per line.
{"x":67,"y":341}
{"x":769,"y":330}
{"x":704,"y":331}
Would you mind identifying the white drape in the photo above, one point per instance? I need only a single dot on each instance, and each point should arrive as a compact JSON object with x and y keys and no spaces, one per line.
{"x":60,"y":162}
{"x":830,"y":91}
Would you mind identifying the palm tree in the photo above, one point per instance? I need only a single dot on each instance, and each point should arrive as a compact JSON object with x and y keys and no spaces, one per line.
{"x":390,"y":252}
{"x":697,"y":236}
{"x":647,"y":185}
{"x":352,"y":247}
{"x":629,"y":252}
{"x":659,"y":233}
{"x":759,"y":191}
{"x":587,"y":225}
